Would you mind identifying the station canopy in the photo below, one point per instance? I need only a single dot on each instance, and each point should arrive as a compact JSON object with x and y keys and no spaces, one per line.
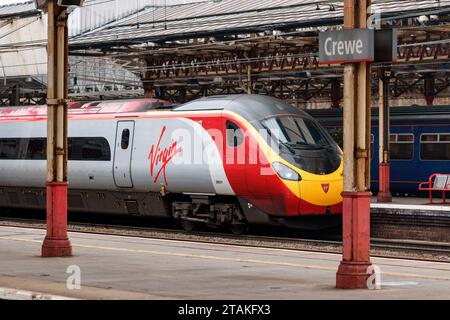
{"x":222,"y":17}
{"x":269,"y":47}
{"x":186,"y":49}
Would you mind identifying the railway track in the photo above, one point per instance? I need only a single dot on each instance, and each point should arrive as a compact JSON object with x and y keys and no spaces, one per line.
{"x":392,"y":248}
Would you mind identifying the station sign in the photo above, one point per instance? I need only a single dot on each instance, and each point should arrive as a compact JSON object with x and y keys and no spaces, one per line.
{"x":346,"y":46}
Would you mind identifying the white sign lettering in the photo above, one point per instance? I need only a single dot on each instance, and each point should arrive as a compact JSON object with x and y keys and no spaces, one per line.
{"x":333,"y":48}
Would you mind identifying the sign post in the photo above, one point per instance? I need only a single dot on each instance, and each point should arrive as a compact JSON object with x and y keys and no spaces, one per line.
{"x":355,"y":47}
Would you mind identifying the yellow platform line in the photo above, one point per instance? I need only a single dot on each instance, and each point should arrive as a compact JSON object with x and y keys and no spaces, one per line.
{"x":216,"y":258}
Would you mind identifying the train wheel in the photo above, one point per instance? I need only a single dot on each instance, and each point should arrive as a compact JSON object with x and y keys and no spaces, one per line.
{"x":238,"y":228}
{"x":187,"y":226}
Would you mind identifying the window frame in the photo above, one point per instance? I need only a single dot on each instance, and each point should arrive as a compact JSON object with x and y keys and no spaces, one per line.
{"x":432,"y":142}
{"x":413,"y":142}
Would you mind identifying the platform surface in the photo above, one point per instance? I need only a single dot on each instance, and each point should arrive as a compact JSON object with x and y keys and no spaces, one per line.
{"x":414,"y":203}
{"x":115,"y":267}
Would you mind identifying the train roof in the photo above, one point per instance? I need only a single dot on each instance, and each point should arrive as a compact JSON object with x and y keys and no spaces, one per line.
{"x":250,"y":106}
{"x":406,"y":113}
{"x":95,"y":107}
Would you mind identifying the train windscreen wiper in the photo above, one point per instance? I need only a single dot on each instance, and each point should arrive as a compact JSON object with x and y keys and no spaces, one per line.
{"x":305,"y":145}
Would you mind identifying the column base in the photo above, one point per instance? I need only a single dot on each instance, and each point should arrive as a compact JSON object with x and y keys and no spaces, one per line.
{"x":352,"y":275}
{"x":352,"y":272}
{"x":56,"y":248}
{"x":56,"y":242}
{"x":384,"y":195}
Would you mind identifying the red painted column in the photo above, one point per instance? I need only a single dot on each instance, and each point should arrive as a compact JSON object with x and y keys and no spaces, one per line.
{"x":384,"y":193}
{"x":56,"y":242}
{"x":352,"y":272}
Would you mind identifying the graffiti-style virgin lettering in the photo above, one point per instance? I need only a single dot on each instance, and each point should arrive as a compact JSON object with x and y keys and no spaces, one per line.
{"x":160,"y":157}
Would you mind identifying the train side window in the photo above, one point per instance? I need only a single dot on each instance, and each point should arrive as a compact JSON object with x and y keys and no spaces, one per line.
{"x":125,"y":141}
{"x":401,"y":146}
{"x":36,"y":149}
{"x":235,"y":136}
{"x":9,"y":148}
{"x":94,"y":149}
{"x":429,"y":138}
{"x":89,"y":149}
{"x":435,"y":147}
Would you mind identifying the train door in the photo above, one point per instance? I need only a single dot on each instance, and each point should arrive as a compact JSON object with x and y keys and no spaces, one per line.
{"x":122,"y":154}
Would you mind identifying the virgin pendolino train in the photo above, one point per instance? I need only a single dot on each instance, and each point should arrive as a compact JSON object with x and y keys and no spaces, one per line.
{"x":222,"y":160}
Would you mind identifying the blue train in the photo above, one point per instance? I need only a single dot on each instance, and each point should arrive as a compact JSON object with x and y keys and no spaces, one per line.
{"x":419,"y":143}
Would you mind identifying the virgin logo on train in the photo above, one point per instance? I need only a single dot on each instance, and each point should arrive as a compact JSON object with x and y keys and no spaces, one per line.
{"x":160,"y":157}
{"x":325,"y":187}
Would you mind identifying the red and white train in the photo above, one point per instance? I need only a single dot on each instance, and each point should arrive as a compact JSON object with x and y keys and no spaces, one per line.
{"x":230,"y":160}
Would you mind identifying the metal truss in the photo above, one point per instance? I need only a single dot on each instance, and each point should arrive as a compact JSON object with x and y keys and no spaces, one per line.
{"x":101,"y":78}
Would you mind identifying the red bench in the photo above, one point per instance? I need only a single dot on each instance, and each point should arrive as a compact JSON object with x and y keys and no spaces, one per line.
{"x":436,"y":182}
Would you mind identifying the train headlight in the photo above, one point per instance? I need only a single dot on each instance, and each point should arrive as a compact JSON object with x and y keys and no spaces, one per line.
{"x":285,"y":172}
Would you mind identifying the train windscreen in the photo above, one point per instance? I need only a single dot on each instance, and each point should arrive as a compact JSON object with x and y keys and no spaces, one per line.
{"x":296,"y":131}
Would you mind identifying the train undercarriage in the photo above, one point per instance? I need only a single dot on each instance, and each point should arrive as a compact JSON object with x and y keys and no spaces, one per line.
{"x":214,"y":212}
{"x":191,"y":210}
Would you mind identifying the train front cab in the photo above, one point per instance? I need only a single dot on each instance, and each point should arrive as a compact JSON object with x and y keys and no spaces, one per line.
{"x":268,"y":180}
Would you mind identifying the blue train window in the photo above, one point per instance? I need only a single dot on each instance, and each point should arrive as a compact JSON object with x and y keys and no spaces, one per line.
{"x":402,"y":146}
{"x":435,"y":146}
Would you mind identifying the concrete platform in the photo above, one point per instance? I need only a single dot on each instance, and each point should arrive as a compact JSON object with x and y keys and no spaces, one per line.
{"x":411,"y":218}
{"x":407,"y":204}
{"x":114,"y":267}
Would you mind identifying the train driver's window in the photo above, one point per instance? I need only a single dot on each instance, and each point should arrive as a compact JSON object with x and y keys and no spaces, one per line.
{"x":125,"y":141}
{"x":235,"y":137}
